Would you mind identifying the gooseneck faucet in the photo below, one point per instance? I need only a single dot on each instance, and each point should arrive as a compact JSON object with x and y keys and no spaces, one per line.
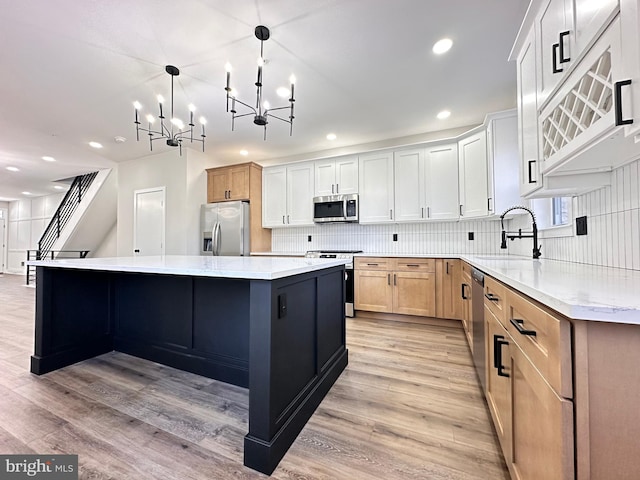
{"x":520,"y":234}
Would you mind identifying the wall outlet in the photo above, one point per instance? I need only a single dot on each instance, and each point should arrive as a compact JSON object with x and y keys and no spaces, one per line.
{"x":22,"y":264}
{"x":470,"y":235}
{"x":581,"y":225}
{"x":395,"y":237}
{"x":308,"y":238}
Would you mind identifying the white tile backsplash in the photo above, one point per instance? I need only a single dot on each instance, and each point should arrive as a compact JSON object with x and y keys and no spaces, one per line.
{"x":613,"y":226}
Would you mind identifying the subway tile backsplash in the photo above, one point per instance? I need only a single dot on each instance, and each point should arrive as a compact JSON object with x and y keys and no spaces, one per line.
{"x":613,"y":239}
{"x":413,"y":238}
{"x":613,"y":219}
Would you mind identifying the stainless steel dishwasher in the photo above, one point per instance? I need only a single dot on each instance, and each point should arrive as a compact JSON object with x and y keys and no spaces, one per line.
{"x":477,"y":325}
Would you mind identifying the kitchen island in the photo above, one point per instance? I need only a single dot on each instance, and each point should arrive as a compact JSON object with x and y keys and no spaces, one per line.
{"x":274,"y":325}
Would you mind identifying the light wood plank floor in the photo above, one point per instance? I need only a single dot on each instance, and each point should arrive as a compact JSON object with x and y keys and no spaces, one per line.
{"x":408,"y":406}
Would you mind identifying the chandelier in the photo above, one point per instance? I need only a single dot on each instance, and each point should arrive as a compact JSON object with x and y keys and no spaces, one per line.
{"x":176,"y":131}
{"x":262,"y":112}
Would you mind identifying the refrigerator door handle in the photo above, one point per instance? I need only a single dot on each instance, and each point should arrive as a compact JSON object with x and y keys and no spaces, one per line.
{"x":214,"y":239}
{"x":219,"y":239}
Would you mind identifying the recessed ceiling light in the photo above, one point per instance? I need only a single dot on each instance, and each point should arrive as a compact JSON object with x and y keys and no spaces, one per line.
{"x":331,"y":136}
{"x":48,"y":159}
{"x":95,"y":145}
{"x":283,"y":92}
{"x":444,"y":114}
{"x":244,"y":153}
{"x":58,"y":187}
{"x":13,"y":169}
{"x":26,"y":193}
{"x":442,"y":46}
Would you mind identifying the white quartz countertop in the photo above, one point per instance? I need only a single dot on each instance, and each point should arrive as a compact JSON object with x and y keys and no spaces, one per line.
{"x":581,"y":292}
{"x":254,"y":268}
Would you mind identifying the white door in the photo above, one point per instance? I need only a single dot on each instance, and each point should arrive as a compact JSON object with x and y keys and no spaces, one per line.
{"x":474,"y":197}
{"x":300,"y":186}
{"x":376,"y":187}
{"x":3,"y":241}
{"x":442,"y":182}
{"x":274,"y":197}
{"x":408,"y":167}
{"x":148,"y":221}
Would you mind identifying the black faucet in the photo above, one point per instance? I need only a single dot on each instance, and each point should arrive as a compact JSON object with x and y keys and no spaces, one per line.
{"x":520,"y":234}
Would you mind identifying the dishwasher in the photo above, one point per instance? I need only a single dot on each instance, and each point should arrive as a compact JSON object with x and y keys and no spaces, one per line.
{"x":477,"y":325}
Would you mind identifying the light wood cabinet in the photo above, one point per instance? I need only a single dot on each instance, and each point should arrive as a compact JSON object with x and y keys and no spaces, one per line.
{"x":448,"y":288}
{"x":465,"y":297}
{"x":395,"y":285}
{"x":529,"y":384}
{"x":228,"y":183}
{"x":241,"y":182}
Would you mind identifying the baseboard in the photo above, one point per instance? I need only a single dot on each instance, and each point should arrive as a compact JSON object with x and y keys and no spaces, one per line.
{"x":395,"y":317}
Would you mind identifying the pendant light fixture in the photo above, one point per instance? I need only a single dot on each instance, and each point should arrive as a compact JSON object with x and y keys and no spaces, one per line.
{"x":262,"y":112}
{"x":176,"y":131}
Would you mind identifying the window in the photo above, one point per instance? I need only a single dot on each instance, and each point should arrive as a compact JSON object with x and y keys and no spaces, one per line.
{"x":560,"y":207}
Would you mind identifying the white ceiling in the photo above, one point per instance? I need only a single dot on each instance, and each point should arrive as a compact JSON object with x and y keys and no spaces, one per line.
{"x":364,"y":69}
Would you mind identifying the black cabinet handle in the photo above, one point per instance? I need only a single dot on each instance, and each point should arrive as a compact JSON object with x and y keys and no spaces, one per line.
{"x":563,"y":59}
{"x":489,"y":204}
{"x":498,"y":342}
{"x":531,"y":180}
{"x":618,"y":102}
{"x":447,"y":268}
{"x":517,"y":322}
{"x":136,"y":251}
{"x":464,"y":297}
{"x":414,"y":265}
{"x":491,"y":297}
{"x":372,"y":264}
{"x":461,"y":210}
{"x":554,"y":58}
{"x":388,"y":279}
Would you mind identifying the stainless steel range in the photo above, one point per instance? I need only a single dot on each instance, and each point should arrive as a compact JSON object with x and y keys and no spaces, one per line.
{"x":343,"y":254}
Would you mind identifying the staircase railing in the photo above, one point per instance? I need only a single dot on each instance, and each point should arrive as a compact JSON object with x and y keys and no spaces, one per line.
{"x":64,"y":212}
{"x":53,"y":254}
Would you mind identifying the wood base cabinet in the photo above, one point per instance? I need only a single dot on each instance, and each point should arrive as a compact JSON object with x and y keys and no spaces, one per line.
{"x":448,"y":275}
{"x":529,"y":384}
{"x":396,"y":285}
{"x":465,"y":298}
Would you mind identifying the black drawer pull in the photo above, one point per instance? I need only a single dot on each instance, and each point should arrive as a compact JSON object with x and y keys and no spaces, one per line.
{"x":554,"y":58}
{"x":372,"y":264}
{"x":412,"y":265}
{"x":618,"y":101}
{"x":517,"y":322}
{"x":491,"y":297}
{"x":464,"y":297}
{"x":563,"y":59}
{"x":531,"y":180}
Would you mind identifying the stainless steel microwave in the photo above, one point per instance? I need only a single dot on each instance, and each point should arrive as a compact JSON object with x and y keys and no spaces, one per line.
{"x":335,"y":208}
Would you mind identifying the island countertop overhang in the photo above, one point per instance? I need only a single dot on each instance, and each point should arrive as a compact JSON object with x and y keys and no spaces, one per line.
{"x":251,"y":268}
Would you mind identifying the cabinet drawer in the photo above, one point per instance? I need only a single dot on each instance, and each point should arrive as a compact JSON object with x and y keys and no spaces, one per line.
{"x":495,"y":297}
{"x":373,"y":263}
{"x":415,"y":265}
{"x":544,"y":339}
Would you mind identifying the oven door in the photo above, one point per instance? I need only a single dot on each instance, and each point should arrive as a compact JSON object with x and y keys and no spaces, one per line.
{"x":328,"y":210}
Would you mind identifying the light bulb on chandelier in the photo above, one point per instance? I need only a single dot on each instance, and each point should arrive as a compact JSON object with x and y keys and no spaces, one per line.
{"x":173,"y":136}
{"x":262,"y":111}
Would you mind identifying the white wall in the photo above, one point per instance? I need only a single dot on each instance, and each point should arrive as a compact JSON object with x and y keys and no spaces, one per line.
{"x":27,"y":220}
{"x":185,"y":182}
{"x":109,"y":246}
{"x":613,"y":226}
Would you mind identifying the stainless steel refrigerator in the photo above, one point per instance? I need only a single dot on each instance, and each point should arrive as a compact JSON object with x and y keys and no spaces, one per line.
{"x":224,"y":228}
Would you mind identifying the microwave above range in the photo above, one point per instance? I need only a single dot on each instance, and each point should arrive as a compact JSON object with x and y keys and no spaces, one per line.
{"x":335,"y":208}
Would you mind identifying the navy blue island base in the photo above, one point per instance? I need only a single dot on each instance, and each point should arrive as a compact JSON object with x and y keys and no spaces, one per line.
{"x":284,"y":339}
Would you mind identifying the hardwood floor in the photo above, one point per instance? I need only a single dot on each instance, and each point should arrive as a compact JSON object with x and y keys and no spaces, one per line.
{"x":408,"y":406}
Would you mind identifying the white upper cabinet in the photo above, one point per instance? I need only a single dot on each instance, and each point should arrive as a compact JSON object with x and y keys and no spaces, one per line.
{"x":630,"y":88}
{"x":591,"y":18}
{"x":441,"y":177}
{"x":529,"y":176}
{"x":287,"y":195}
{"x":554,"y":24}
{"x":334,"y":176}
{"x":376,"y":189}
{"x":409,"y":185}
{"x":473,"y":175}
{"x":274,"y":197}
{"x":503,"y":155}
